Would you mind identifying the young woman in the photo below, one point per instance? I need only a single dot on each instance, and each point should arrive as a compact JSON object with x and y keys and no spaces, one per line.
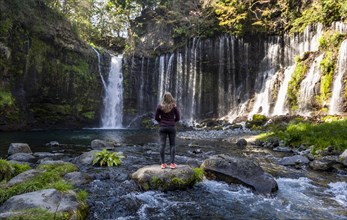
{"x":167,"y":115}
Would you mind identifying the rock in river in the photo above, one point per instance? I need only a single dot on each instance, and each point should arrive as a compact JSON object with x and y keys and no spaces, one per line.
{"x":153,"y":177}
{"x":239,"y":171}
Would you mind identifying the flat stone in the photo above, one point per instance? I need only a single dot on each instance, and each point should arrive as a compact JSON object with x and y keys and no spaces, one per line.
{"x":294,"y":160}
{"x":154,"y":178}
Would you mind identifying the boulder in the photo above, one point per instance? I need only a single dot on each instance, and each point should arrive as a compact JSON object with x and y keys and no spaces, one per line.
{"x":22,"y":177}
{"x":18,"y":148}
{"x":282,"y":149}
{"x":343,"y":158}
{"x":294,"y":160}
{"x":152,"y":177}
{"x":86,"y":158}
{"x":49,"y":199}
{"x":326,"y":163}
{"x":241,"y":143}
{"x":101,"y":144}
{"x":239,"y":171}
{"x":43,"y":154}
{"x":22,"y":157}
{"x":77,"y":178}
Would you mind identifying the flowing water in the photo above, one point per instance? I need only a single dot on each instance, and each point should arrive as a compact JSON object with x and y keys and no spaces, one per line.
{"x":336,"y":99}
{"x":302,"y":194}
{"x":113,"y":98}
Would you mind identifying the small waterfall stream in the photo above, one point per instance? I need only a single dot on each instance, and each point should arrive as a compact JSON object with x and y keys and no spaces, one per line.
{"x":113,"y":100}
{"x":307,"y":87}
{"x":335,"y":102}
{"x":280,"y":108}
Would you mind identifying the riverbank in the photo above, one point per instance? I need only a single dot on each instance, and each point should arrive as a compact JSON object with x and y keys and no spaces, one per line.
{"x":112,"y":194}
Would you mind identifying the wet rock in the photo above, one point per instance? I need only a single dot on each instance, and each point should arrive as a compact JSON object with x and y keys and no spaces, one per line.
{"x":239,"y":171}
{"x":294,"y":160}
{"x":343,"y":158}
{"x":49,"y":161}
{"x":77,"y":178}
{"x":101,"y":144}
{"x":22,"y":177}
{"x":86,"y":158}
{"x":241,"y":143}
{"x":49,"y":199}
{"x":22,"y":157}
{"x":18,"y":148}
{"x":326,"y":163}
{"x":43,"y":154}
{"x":153,"y":177}
{"x":282,"y":149}
{"x":52,"y":144}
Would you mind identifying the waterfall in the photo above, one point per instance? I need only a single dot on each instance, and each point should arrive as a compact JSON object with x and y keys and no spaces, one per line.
{"x":265,"y":81}
{"x":279,"y":108}
{"x":307,"y":87}
{"x":99,"y":67}
{"x":161,"y":82}
{"x":113,"y":100}
{"x":336,"y":99}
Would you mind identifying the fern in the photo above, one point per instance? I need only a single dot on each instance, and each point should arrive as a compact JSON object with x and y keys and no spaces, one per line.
{"x":105,"y":158}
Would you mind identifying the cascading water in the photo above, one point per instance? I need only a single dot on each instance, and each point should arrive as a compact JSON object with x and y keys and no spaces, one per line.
{"x":307,"y":87}
{"x":266,"y":80}
{"x":219,"y":78}
{"x":112,"y":116}
{"x":280,"y":108}
{"x":99,"y":67}
{"x":336,"y":99}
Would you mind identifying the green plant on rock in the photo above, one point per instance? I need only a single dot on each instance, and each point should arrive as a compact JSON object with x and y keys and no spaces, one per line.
{"x":198,"y":174}
{"x":105,"y":158}
{"x":6,"y":170}
{"x":52,"y":177}
{"x":294,"y":84}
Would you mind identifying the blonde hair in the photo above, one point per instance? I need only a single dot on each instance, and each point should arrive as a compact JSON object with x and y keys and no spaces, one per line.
{"x":167,"y":103}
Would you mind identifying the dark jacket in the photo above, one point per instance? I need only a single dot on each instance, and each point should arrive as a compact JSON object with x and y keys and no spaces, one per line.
{"x":167,"y":119}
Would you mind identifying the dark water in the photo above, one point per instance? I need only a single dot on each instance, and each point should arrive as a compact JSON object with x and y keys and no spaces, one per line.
{"x":303,"y":194}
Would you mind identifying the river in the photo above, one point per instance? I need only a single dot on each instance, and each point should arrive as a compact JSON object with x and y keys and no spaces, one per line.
{"x":302,"y":194}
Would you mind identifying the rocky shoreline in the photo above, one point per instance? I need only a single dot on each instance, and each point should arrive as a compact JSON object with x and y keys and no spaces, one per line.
{"x":123,"y":179}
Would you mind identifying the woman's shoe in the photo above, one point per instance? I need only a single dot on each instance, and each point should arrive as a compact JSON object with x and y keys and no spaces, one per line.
{"x":163,"y":165}
{"x":173,"y":166}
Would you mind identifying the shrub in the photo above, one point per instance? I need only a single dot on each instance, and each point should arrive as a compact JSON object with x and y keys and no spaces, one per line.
{"x":107,"y":158}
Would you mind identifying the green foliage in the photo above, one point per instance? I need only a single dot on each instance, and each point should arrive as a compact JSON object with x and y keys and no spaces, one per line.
{"x":20,"y":168}
{"x":309,"y":16}
{"x":198,"y":174}
{"x":10,"y":170}
{"x":42,"y":214}
{"x":330,"y":42}
{"x":257,"y":122}
{"x":105,"y":158}
{"x":294,"y":84}
{"x":6,"y":170}
{"x":320,"y":135}
{"x":52,"y":177}
{"x":6,"y":98}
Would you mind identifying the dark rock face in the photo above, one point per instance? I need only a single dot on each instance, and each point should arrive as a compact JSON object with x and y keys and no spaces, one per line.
{"x":239,"y":171}
{"x":50,"y":74}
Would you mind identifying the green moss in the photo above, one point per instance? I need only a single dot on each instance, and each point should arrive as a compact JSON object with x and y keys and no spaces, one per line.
{"x":294,"y":84}
{"x":42,"y":214}
{"x":329,"y":42}
{"x":198,"y":174}
{"x":311,"y":15}
{"x":6,"y":170}
{"x":10,"y":170}
{"x":52,"y":177}
{"x":320,"y":135}
{"x":6,"y":98}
